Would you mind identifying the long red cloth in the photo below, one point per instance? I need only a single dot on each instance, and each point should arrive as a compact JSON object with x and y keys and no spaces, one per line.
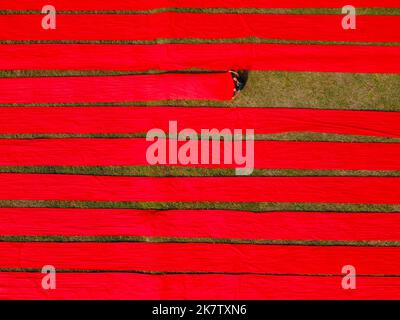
{"x":172,"y":25}
{"x":83,"y":286}
{"x":199,"y":257}
{"x":92,"y":120}
{"x":218,"y":224}
{"x":155,"y":4}
{"x":369,"y":190}
{"x":241,"y":56}
{"x":201,"y":86}
{"x":267,"y":154}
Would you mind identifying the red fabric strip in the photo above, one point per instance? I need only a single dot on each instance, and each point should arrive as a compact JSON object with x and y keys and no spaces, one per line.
{"x":218,"y":224}
{"x":199,"y":257}
{"x":155,"y":4}
{"x":243,"y":56}
{"x":172,"y":25}
{"x":91,"y":120}
{"x":74,"y":286}
{"x":267,"y":154}
{"x":207,"y":86}
{"x":372,"y":190}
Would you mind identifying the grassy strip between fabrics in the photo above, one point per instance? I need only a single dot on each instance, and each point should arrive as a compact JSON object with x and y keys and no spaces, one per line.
{"x":166,"y":273}
{"x":287,"y":136}
{"x":65,"y":239}
{"x":254,"y":40}
{"x":256,"y":207}
{"x":160,"y":171}
{"x":360,"y":11}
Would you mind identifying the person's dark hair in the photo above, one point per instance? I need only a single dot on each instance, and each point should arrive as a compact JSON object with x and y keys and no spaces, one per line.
{"x":239,"y":80}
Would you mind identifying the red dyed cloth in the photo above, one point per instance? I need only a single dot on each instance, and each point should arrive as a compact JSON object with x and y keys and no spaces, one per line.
{"x":84,"y":120}
{"x":201,"y":257}
{"x":367,"y":190}
{"x":173,"y":25}
{"x":267,"y":154}
{"x":117,"y":286}
{"x":196,"y":223}
{"x":155,"y":4}
{"x":202,"y":86}
{"x":241,"y":56}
